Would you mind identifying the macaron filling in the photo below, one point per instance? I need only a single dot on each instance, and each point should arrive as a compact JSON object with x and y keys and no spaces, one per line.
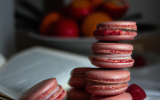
{"x":112,"y":58}
{"x":107,"y":86}
{"x":106,"y":80}
{"x":108,"y":32}
{"x":60,"y":96}
{"x":114,"y":25}
{"x":51,"y":93}
{"x":112,"y":51}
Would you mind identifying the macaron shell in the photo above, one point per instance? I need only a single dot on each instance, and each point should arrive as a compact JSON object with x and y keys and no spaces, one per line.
{"x":117,"y":23}
{"x":127,"y":25}
{"x":40,"y":90}
{"x":113,"y":46}
{"x":104,"y":64}
{"x":77,"y":82}
{"x":78,"y":94}
{"x":81,"y":70}
{"x":122,"y":96}
{"x":77,"y":79}
{"x":108,"y":76}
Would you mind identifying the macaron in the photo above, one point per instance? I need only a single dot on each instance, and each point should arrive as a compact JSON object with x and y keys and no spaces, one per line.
{"x":112,"y":48}
{"x":111,"y":61}
{"x":122,"y":96}
{"x":107,"y":82}
{"x":78,"y":94}
{"x":137,"y":92}
{"x":111,"y":55}
{"x":45,"y":90}
{"x":77,"y":79}
{"x":115,"y":31}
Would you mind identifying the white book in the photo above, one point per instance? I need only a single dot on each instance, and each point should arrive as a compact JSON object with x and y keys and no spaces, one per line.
{"x":29,"y":67}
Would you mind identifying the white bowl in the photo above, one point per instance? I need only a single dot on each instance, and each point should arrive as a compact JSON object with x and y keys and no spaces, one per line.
{"x":80,"y":45}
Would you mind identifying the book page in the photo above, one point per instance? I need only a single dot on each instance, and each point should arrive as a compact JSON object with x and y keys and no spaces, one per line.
{"x":36,"y":64}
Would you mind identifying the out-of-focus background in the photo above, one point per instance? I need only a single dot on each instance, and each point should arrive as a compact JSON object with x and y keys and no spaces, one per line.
{"x":68,"y":24}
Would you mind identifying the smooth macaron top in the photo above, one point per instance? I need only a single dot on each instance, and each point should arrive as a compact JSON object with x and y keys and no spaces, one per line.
{"x":122,"y":96}
{"x":40,"y":90}
{"x":127,"y":25}
{"x":108,"y":76}
{"x":114,"y":46}
{"x":117,"y":23}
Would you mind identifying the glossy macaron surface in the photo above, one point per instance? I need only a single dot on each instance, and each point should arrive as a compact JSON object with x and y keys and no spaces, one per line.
{"x":108,"y":76}
{"x":112,"y":48}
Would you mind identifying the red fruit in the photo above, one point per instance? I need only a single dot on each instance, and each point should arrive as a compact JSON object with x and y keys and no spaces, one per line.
{"x":139,"y":61}
{"x":115,"y":8}
{"x":137,"y":92}
{"x":64,"y":28}
{"x":78,"y":9}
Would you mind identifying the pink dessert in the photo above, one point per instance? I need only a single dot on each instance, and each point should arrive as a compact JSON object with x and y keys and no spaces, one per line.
{"x":107,"y":82}
{"x":137,"y":92}
{"x":112,"y":48}
{"x":112,"y":55}
{"x":78,"y":94}
{"x":77,"y":79}
{"x":122,"y":96}
{"x":115,"y":31}
{"x":45,"y":90}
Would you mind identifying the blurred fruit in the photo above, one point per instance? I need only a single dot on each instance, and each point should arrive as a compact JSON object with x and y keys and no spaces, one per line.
{"x":90,"y":22}
{"x":64,"y":27}
{"x":115,"y":8}
{"x":96,"y":2}
{"x":137,"y":92}
{"x":47,"y":21}
{"x":78,"y":9}
{"x":139,"y":61}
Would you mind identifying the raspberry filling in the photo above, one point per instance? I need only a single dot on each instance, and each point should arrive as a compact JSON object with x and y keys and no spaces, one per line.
{"x":111,"y":32}
{"x":92,"y":78}
{"x":60,"y":96}
{"x":108,"y":87}
{"x":124,"y":27}
{"x":115,"y":61}
{"x":113,"y":51}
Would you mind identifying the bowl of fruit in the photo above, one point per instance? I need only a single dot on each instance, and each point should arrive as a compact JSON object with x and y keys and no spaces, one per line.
{"x":71,"y":28}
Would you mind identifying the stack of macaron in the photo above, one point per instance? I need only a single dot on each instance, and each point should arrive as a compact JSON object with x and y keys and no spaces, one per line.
{"x":110,"y":80}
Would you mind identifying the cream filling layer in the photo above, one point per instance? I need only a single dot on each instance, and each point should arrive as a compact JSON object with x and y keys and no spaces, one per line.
{"x":51,"y":93}
{"x":114,"y":57}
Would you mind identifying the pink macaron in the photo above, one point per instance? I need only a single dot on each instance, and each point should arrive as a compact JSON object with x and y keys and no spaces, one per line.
{"x":115,"y":31}
{"x":107,"y":82}
{"x":122,"y":96}
{"x":112,"y":48}
{"x":77,"y":79}
{"x":111,"y":55}
{"x":45,"y":90}
{"x":78,"y":94}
